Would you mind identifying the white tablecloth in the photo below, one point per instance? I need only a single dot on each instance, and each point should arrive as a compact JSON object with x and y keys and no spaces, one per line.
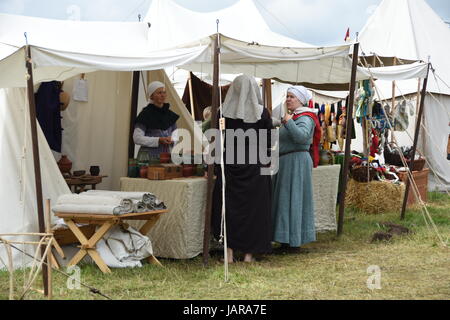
{"x":325,"y":183}
{"x":179,"y":233}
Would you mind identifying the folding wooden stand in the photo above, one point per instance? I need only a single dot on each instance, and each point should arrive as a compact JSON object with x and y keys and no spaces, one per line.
{"x":106,"y":222}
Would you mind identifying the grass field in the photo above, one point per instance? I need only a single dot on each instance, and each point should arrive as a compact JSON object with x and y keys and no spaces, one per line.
{"x":412,"y":266}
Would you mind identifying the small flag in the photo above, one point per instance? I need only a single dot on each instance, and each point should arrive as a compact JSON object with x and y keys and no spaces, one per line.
{"x":347,"y":35}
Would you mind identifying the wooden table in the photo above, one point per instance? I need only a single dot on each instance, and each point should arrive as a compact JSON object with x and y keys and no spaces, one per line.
{"x":78,"y":184}
{"x":106,"y":222}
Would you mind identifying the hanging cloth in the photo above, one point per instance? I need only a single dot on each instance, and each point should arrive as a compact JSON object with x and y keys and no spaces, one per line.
{"x":202,"y":95}
{"x":48,"y":113}
{"x":314,"y":148}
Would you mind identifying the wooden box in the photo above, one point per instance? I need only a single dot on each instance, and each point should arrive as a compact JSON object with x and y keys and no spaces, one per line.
{"x":421,"y":179}
{"x":66,"y":236}
{"x":164,"y":171}
{"x":448,"y":145}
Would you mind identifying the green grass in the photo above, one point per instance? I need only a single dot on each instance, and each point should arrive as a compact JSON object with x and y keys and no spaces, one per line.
{"x":413,"y":266}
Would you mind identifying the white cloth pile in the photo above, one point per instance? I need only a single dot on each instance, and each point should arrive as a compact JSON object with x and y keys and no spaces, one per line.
{"x":122,"y":248}
{"x":108,"y":202}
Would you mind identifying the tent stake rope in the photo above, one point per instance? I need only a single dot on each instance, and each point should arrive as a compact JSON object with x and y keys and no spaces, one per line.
{"x":223,"y":224}
{"x":43,"y":262}
{"x":424,"y":210}
{"x":9,"y":267}
{"x":422,"y":125}
{"x":440,"y":104}
{"x":416,"y":193}
{"x":436,"y":75}
{"x":440,"y":182}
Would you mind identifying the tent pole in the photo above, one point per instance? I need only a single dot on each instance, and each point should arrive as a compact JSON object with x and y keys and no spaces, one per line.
{"x":348,"y":139}
{"x":416,"y":138}
{"x":393,"y":100}
{"x":210,"y":185}
{"x":133,"y":112}
{"x":191,"y":96}
{"x":37,"y":163}
{"x":267,"y":91}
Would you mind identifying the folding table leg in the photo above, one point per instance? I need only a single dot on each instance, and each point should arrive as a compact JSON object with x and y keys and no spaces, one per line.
{"x":88,"y":246}
{"x":81,"y":237}
{"x":77,"y":258}
{"x":153,"y":260}
{"x":98,"y":260}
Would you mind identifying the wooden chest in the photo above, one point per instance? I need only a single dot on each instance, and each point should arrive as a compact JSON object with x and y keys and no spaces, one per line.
{"x":164,"y":171}
{"x":421,"y":180}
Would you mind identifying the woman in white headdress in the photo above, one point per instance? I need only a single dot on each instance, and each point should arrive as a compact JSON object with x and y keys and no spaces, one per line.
{"x":247,"y":192}
{"x":292,"y":206}
{"x":156,"y":123}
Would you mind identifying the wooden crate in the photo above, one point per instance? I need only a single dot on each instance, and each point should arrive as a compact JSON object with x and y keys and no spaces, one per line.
{"x":448,"y":145}
{"x":65,"y":236}
{"x":164,"y":171}
{"x":421,"y":179}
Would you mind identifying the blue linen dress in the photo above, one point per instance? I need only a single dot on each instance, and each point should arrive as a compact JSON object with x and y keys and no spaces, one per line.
{"x":292,"y":205}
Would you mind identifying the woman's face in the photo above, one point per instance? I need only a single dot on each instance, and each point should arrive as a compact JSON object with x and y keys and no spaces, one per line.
{"x":292,"y":102}
{"x":159,"y":96}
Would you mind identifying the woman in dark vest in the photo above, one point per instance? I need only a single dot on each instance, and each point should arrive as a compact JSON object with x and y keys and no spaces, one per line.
{"x":155,"y":125}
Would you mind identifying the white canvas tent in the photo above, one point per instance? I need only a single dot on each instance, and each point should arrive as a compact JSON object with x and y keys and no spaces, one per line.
{"x":410,"y":29}
{"x":72,"y":54}
{"x":172,"y":25}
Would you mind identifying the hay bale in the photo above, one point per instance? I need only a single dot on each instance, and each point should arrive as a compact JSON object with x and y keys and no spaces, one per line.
{"x":375,"y":197}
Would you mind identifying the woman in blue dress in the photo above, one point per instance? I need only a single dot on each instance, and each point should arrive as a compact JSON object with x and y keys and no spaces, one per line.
{"x":292,"y":206}
{"x":155,"y":124}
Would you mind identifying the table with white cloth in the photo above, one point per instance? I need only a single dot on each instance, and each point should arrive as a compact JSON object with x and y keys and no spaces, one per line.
{"x":325,"y":184}
{"x":179,"y":234}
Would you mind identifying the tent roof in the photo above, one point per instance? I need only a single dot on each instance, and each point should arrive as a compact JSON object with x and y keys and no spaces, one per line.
{"x":129,"y":50}
{"x":107,"y":38}
{"x":409,"y":29}
{"x":172,"y":24}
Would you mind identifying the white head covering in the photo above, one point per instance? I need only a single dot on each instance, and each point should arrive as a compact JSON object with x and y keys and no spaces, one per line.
{"x":243,"y":100}
{"x":152,"y":87}
{"x":301,"y":93}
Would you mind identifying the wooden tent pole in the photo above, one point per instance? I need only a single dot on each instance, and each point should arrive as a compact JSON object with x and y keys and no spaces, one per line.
{"x":416,"y":138}
{"x":393,"y":100}
{"x":267,"y":90}
{"x":36,"y":160}
{"x":191,"y":96}
{"x":48,"y":229}
{"x":349,"y":113}
{"x":133,"y":112}
{"x":210,"y":183}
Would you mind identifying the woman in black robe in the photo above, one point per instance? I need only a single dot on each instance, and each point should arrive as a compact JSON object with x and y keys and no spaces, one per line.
{"x":247,"y":191}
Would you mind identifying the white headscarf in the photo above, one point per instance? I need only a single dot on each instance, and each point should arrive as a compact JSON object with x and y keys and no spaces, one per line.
{"x":152,"y":87}
{"x":243,"y":100}
{"x":301,"y":93}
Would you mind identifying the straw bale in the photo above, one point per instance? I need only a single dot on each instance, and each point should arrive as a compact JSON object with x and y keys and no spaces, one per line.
{"x":375,"y":197}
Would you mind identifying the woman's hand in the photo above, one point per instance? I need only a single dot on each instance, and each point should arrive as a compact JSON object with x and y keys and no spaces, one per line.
{"x":165,"y":140}
{"x":286,"y":118}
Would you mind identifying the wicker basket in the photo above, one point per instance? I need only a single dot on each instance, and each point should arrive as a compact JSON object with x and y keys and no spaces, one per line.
{"x":417,"y":164}
{"x":392,"y":158}
{"x":359,"y":173}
